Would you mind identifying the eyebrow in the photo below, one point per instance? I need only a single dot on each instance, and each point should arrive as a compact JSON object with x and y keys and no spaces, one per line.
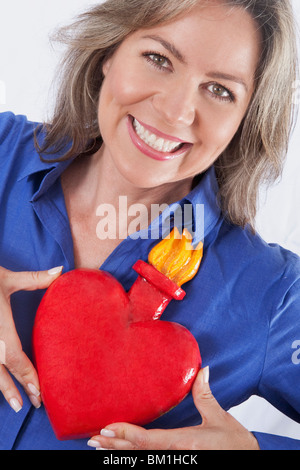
{"x":227,"y":76}
{"x":169,"y":47}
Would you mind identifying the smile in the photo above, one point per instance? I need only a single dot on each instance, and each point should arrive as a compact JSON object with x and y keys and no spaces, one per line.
{"x":154,"y":141}
{"x":155,"y":144}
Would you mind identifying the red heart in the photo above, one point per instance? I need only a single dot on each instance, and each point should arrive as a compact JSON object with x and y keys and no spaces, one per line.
{"x":102,"y":355}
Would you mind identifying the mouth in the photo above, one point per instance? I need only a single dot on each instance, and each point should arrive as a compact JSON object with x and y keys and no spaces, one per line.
{"x":154,"y":143}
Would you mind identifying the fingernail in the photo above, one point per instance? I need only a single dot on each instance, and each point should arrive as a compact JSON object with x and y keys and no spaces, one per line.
{"x":107,"y":433}
{"x":32,"y":388}
{"x":94,"y":443}
{"x":54,"y":271}
{"x":206,"y":375}
{"x":35,"y":401}
{"x":15,"y":404}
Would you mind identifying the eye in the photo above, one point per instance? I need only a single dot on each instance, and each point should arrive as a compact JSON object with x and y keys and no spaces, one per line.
{"x":220,"y":92}
{"x":158,"y":60}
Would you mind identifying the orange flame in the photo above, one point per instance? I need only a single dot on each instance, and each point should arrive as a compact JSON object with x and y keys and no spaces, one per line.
{"x":175,"y":257}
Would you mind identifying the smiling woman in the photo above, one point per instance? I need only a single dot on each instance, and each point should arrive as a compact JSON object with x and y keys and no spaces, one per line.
{"x":254,"y":154}
{"x":173,"y":104}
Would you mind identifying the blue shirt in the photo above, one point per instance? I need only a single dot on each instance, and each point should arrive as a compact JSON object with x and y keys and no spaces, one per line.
{"x":243,"y":307}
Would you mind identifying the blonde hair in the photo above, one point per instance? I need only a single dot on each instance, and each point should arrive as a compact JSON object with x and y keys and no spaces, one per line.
{"x":257,"y":152}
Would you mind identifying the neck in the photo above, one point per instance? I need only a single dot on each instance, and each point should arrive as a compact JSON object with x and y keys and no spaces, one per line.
{"x":97,"y":184}
{"x":111,"y":185}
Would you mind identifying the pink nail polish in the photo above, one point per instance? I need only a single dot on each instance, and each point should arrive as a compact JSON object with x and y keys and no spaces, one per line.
{"x":55,"y":271}
{"x":206,"y":375}
{"x":35,"y":401}
{"x":15,"y":404}
{"x":33,"y":390}
{"x":107,"y":433}
{"x":94,"y":443}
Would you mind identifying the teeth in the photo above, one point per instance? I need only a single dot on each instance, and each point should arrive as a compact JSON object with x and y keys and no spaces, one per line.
{"x":157,"y":143}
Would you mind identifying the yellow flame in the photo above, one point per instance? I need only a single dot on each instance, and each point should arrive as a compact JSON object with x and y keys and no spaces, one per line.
{"x":175,"y":257}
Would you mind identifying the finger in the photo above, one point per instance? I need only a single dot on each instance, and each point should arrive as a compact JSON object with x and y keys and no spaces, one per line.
{"x":28,"y":280}
{"x":9,"y":390}
{"x":23,"y":370}
{"x":15,"y":360}
{"x":122,"y":436}
{"x":20,"y":366}
{"x":106,"y":443}
{"x":17,"y":363}
{"x":205,"y":402}
{"x":137,"y":437}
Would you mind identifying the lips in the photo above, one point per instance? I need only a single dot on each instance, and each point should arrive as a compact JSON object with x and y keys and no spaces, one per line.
{"x":154,"y":143}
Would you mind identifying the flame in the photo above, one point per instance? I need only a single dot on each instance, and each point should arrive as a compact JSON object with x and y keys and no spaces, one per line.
{"x":175,"y":257}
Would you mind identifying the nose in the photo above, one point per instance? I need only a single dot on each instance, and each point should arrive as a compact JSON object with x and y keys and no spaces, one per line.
{"x":176,"y":105}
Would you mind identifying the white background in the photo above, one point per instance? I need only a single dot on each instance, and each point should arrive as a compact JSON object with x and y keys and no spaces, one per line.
{"x":27,"y":67}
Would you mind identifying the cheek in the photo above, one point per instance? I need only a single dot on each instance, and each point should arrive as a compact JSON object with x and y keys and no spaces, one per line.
{"x":123,"y":88}
{"x":220,"y":128}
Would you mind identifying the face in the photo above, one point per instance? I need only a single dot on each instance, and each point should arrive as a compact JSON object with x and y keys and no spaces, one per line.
{"x":174,"y":95}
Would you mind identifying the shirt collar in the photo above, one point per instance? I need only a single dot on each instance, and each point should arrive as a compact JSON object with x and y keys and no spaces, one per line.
{"x":206,"y":210}
{"x":199,"y":212}
{"x":34,"y":164}
{"x":49,"y":170}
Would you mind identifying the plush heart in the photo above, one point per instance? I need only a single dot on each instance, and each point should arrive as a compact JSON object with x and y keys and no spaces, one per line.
{"x":103,"y":356}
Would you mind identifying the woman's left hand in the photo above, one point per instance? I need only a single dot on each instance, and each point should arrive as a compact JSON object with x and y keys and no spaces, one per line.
{"x":218,"y":431}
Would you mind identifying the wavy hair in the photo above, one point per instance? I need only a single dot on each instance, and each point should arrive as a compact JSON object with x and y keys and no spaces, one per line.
{"x":257,"y":152}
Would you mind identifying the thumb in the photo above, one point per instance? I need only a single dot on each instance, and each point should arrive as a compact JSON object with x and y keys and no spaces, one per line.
{"x":31,"y":280}
{"x":204,"y":400}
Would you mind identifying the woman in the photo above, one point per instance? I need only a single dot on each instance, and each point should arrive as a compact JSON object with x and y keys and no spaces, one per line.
{"x":160,"y":101}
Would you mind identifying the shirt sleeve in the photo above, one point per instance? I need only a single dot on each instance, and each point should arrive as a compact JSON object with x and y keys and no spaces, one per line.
{"x":6,"y":124}
{"x":272,"y":442}
{"x":18,"y":155}
{"x":280,"y":379}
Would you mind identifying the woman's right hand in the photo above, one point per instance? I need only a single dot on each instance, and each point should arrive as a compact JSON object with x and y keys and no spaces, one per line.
{"x":12,"y":358}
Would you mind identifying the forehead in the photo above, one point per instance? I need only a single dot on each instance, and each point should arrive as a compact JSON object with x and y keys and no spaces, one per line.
{"x":212,"y":35}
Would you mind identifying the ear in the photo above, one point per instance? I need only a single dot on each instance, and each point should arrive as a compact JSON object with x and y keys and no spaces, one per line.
{"x":106,"y":66}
